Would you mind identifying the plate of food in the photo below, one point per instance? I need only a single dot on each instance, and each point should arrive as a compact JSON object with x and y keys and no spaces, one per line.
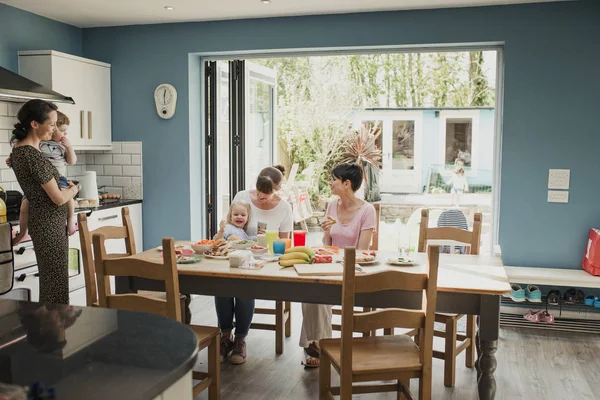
{"x":258,"y":250}
{"x":365,"y":257}
{"x":220,"y":250}
{"x":181,"y":259}
{"x":180,"y":250}
{"x":243,"y":244}
{"x":326,"y":250}
{"x":402,"y":261}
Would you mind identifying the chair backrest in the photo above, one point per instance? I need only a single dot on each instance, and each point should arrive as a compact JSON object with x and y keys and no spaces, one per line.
{"x":110,"y":232}
{"x":446,"y":233}
{"x":165,"y":271}
{"x":422,"y":318}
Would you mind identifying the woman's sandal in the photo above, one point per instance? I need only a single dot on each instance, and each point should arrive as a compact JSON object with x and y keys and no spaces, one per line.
{"x":311,"y":359}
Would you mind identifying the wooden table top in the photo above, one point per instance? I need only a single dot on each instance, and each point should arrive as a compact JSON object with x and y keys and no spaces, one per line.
{"x":482,"y":274}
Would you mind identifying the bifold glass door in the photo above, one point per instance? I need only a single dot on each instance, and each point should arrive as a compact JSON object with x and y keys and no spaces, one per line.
{"x":239,"y":140}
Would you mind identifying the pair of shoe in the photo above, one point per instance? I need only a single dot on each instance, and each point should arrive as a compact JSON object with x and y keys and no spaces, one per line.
{"x":532,"y":294}
{"x":236,"y":347}
{"x":592,"y":301}
{"x":574,"y":296}
{"x":539,"y":316}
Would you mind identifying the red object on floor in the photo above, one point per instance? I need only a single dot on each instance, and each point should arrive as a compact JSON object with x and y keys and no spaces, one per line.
{"x":591,"y":258}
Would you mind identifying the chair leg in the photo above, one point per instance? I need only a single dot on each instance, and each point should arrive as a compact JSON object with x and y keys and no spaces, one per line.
{"x":470,"y":350}
{"x":425,"y":385}
{"x":450,"y":353}
{"x":288,"y":322}
{"x":279,"y":327}
{"x":406,"y":383}
{"x":388,"y":331}
{"x":214,"y":368}
{"x":324,"y":376}
{"x":366,"y":334}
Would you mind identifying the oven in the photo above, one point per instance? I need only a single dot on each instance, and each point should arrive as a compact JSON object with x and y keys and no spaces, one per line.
{"x":26,"y":275}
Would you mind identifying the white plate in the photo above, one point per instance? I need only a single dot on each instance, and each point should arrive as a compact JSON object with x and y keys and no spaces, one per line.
{"x":407,"y":263}
{"x":208,"y":255}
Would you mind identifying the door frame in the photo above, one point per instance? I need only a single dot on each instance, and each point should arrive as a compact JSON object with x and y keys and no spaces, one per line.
{"x":196,"y":114}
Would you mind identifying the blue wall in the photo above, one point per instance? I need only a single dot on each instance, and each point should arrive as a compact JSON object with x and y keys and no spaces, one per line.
{"x":550,"y":104}
{"x":21,"y":30}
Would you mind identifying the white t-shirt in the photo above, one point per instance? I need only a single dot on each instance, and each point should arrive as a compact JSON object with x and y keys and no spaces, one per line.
{"x":279,"y":218}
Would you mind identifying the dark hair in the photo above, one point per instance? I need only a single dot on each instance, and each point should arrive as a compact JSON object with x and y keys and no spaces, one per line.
{"x":268,"y":179}
{"x":33,"y":110}
{"x":349,"y":172}
{"x":281,"y":168}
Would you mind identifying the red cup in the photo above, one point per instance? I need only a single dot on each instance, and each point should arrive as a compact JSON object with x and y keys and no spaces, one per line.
{"x":299,"y":238}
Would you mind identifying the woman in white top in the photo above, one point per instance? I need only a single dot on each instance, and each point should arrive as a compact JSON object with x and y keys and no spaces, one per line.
{"x":268,"y":209}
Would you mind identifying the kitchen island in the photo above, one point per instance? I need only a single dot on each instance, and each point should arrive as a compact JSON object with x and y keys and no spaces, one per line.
{"x":94,"y":353}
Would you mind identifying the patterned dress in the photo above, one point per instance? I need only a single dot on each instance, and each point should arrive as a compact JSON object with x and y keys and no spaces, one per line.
{"x":47,"y":223}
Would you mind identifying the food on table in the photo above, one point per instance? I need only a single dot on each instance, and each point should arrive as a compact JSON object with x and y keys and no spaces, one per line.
{"x":366,"y":256}
{"x":257,"y":250}
{"x":329,"y":217}
{"x":233,"y":238}
{"x":205,"y":242}
{"x":325,"y":250}
{"x":256,"y":247}
{"x":220,"y":249}
{"x":297,"y":255}
{"x":323,"y":259}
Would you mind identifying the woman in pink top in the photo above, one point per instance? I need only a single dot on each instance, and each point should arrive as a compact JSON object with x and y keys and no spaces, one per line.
{"x":352,"y":223}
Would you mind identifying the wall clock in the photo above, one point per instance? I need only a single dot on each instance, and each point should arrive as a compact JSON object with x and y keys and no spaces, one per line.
{"x":165,"y":97}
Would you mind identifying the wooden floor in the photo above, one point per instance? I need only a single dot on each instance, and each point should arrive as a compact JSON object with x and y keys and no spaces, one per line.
{"x":532,"y":365}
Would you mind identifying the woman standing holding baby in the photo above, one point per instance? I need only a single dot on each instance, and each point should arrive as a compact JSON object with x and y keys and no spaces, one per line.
{"x":350,"y":222}
{"x":266,"y":208}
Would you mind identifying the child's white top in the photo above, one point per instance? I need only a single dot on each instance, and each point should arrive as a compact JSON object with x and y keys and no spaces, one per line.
{"x":279,"y":218}
{"x":232,"y":230}
{"x":55,"y":152}
{"x":459,"y":182}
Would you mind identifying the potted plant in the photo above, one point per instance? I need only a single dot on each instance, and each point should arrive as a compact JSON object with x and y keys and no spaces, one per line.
{"x":359,"y":147}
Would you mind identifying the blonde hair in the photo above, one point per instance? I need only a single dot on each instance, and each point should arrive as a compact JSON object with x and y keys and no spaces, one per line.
{"x":62,"y":119}
{"x":241,"y":204}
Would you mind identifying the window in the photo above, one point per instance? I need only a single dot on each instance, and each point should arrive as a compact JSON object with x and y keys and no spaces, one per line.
{"x":375,"y":127}
{"x":403,"y":145}
{"x":459,"y":141}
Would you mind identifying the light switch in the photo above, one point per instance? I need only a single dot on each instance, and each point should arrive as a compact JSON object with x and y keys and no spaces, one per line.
{"x":559,"y":179}
{"x":558,"y":196}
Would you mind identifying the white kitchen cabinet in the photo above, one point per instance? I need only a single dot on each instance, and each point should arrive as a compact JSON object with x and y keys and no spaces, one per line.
{"x":87,"y":82}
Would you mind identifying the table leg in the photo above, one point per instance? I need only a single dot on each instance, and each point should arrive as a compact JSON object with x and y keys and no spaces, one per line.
{"x":489,"y":325}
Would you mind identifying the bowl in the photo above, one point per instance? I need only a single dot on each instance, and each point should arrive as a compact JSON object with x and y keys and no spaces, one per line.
{"x":259,"y":250}
{"x":242,"y":244}
{"x":200,"y":249}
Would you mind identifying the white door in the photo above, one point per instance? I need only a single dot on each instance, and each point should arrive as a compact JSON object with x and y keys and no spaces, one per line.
{"x":402,"y":136}
{"x":68,"y":77}
{"x":261,"y":100}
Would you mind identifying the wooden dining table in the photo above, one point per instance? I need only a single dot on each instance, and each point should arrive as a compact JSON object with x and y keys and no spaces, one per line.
{"x":467,"y":284}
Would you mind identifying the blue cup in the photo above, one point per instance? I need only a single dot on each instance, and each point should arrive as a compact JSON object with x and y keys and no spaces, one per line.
{"x":278,"y":247}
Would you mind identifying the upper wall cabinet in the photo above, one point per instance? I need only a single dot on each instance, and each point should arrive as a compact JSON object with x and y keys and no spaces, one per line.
{"x":87,"y":82}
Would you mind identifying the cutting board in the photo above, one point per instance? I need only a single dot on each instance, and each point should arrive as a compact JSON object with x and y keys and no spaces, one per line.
{"x":326,"y":269}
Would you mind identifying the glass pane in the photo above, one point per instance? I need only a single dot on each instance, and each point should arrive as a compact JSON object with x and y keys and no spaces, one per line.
{"x":458,"y":140}
{"x":259,"y":129}
{"x":222,"y":173}
{"x":403,"y":145}
{"x":375,"y":127}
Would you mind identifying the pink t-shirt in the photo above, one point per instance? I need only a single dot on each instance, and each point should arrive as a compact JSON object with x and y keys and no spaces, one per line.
{"x":343,"y":235}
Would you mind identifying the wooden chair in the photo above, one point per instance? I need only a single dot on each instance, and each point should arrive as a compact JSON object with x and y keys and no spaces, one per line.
{"x":283,"y":322}
{"x":454,"y":343}
{"x":169,"y":307}
{"x":382,"y":358}
{"x":111,"y":232}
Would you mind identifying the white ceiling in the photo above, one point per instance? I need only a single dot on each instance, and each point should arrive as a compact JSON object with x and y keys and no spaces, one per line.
{"x":94,"y":13}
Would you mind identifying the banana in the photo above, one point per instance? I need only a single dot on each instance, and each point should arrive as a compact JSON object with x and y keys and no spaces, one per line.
{"x":295,"y":255}
{"x":302,"y":249}
{"x":292,"y":262}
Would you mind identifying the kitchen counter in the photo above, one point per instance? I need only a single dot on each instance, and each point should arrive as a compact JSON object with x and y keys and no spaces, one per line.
{"x":106,"y":206}
{"x":93,"y":353}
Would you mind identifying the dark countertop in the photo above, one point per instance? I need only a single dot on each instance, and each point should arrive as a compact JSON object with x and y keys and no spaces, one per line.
{"x":107,"y":205}
{"x":92,"y":353}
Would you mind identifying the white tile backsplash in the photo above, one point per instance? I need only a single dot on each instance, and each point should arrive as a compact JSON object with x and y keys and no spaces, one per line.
{"x":119,"y":170}
{"x":131,"y":147}
{"x":122,"y":159}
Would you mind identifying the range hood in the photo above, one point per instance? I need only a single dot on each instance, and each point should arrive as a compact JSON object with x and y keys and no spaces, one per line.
{"x":15,"y":88}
